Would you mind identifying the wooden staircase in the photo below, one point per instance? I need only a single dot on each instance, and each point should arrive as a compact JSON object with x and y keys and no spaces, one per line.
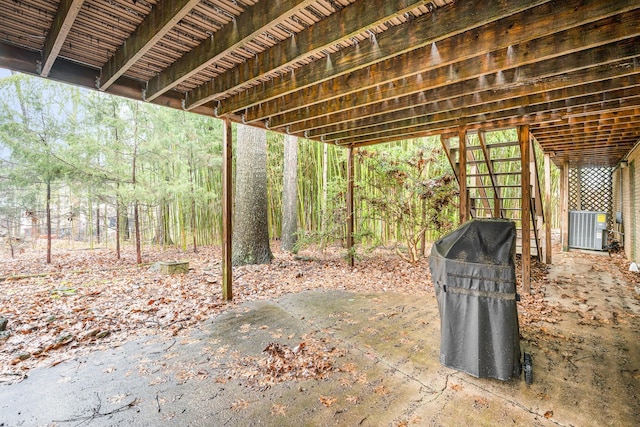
{"x":492,"y":177}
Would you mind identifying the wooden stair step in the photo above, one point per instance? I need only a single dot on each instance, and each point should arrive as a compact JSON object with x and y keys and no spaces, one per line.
{"x":503,"y":144}
{"x":507,"y":159}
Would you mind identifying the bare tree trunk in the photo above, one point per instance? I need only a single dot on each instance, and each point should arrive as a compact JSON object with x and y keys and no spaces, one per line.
{"x":325,"y":187}
{"x":136,"y":216}
{"x":251,"y":227}
{"x":136,"y":224}
{"x":423,"y":233}
{"x":98,"y":223}
{"x":290,"y":194}
{"x":118,"y":226}
{"x":49,"y":221}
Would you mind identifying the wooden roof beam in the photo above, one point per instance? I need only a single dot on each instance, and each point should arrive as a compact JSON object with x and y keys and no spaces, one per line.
{"x":65,"y":17}
{"x":343,"y":25}
{"x":164,"y":16}
{"x":250,"y":24}
{"x":65,"y":71}
{"x":427,"y":77}
{"x":420,"y":32}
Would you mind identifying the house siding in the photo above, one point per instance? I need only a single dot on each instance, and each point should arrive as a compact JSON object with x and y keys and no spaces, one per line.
{"x":631,"y":203}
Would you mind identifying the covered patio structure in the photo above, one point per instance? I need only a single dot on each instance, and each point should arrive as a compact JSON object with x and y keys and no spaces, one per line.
{"x":357,"y":72}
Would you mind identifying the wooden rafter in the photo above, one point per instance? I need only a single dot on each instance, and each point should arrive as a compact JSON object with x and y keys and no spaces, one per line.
{"x":253,"y":22}
{"x":344,"y":25}
{"x":497,"y":208}
{"x":70,"y":72}
{"x":422,"y":31}
{"x":164,"y":16}
{"x":66,"y":15}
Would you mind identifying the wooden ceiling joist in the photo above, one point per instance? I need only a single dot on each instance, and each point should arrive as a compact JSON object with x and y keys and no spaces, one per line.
{"x":506,"y":68}
{"x":420,"y":32}
{"x":363,"y":15}
{"x":470,"y":92}
{"x":64,"y":19}
{"x":492,"y":102}
{"x":490,"y":112}
{"x":162,"y":18}
{"x":255,"y":21}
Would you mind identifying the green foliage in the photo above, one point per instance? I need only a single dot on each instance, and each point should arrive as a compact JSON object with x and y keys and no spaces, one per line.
{"x":407,"y":186}
{"x":86,"y":143}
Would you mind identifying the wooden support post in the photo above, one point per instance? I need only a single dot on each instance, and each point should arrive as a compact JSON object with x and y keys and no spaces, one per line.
{"x":564,"y":205}
{"x":350,"y":171}
{"x":227,"y":203}
{"x":446,"y":145}
{"x":547,"y":208}
{"x":497,"y":204}
{"x":462,"y":174}
{"x":523,"y":137}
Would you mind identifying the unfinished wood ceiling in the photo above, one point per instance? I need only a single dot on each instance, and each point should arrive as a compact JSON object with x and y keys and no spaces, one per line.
{"x":355,"y":72}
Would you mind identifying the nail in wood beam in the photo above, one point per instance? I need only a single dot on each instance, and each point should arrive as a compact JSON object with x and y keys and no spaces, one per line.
{"x":227,"y":203}
{"x":525,"y":202}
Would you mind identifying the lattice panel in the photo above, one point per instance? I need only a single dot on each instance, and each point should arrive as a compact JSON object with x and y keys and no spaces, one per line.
{"x":591,"y":189}
{"x":574,"y":194}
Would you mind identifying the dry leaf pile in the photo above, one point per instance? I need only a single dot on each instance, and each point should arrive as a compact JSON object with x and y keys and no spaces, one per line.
{"x":310,"y":359}
{"x":532,"y":307}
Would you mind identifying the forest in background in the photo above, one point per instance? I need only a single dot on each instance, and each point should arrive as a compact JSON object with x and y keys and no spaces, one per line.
{"x":84,"y":166}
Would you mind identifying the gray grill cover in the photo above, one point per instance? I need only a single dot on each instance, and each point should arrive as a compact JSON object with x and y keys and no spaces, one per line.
{"x":474,"y":277}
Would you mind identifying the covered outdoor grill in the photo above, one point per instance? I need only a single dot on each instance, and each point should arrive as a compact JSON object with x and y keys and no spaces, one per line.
{"x":473,"y":273}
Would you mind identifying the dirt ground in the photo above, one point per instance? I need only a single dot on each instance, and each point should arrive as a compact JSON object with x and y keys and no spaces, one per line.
{"x":307,"y":341}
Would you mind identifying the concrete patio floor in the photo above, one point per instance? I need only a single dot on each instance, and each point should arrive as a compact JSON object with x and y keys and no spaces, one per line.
{"x":384,"y":350}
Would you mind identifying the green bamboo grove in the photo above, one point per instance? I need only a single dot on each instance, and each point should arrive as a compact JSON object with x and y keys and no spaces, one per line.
{"x":99,"y":161}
